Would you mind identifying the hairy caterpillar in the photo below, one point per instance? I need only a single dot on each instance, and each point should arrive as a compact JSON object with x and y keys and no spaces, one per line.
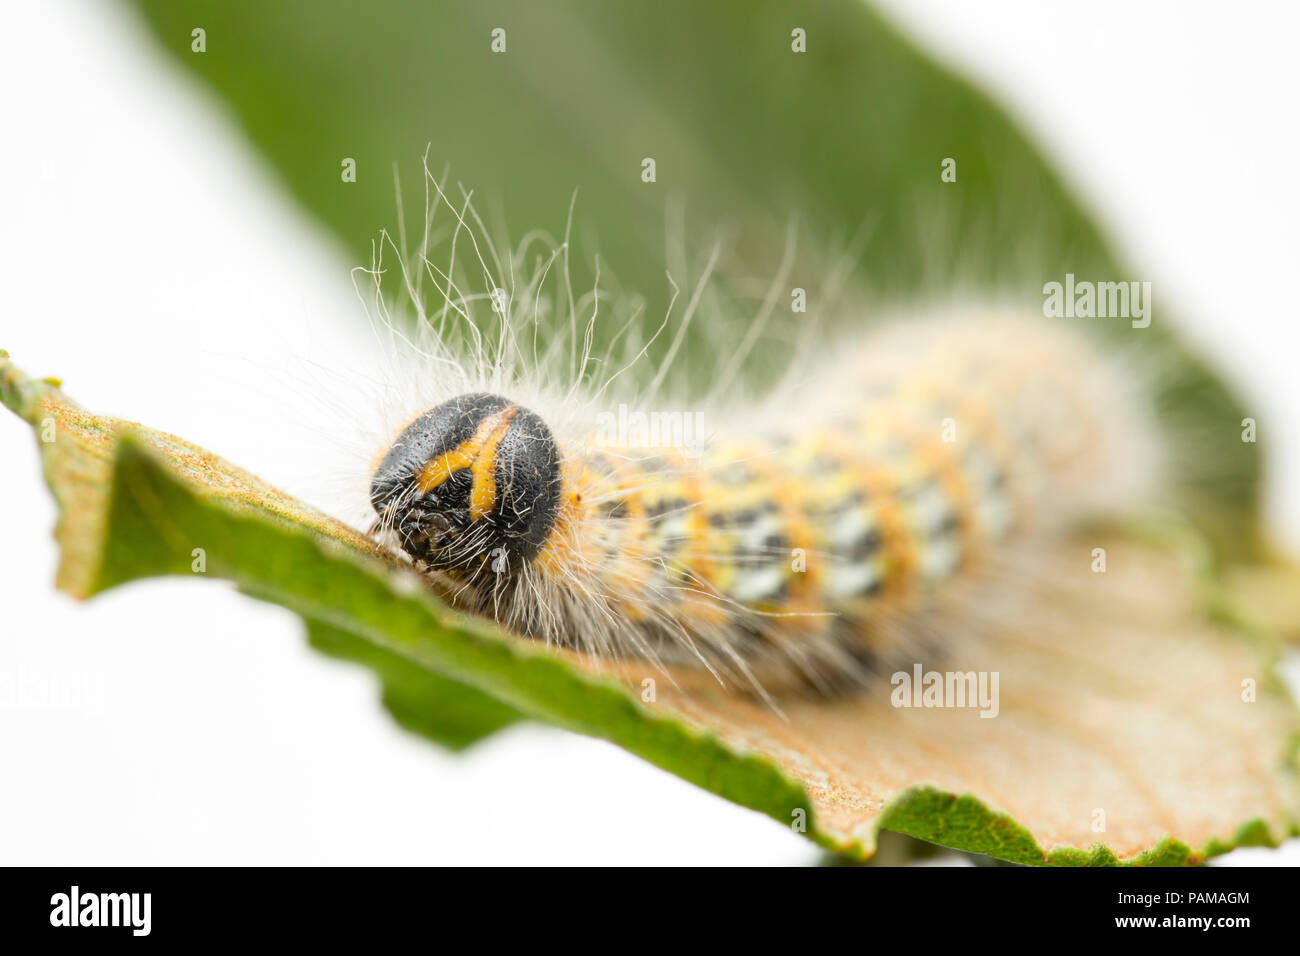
{"x":803,"y":543}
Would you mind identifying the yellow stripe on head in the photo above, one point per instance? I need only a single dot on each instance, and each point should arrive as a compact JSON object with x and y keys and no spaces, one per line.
{"x":438,"y":469}
{"x":483,"y":493}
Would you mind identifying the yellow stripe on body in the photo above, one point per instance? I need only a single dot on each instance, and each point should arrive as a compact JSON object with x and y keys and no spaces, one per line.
{"x":883,"y":481}
{"x":585,"y":488}
{"x":628,"y":571}
{"x":775,"y":482}
{"x":879,"y":488}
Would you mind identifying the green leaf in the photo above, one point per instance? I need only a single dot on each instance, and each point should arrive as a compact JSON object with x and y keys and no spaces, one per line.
{"x":744,"y":132}
{"x":446,"y":711}
{"x":1145,"y":723}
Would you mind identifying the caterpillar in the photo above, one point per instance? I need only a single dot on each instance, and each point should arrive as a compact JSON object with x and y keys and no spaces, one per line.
{"x":809,"y":540}
{"x":800,"y":547}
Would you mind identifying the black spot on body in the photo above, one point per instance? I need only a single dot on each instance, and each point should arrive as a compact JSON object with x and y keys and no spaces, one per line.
{"x":617,"y":509}
{"x":665,"y":507}
{"x":865,"y":545}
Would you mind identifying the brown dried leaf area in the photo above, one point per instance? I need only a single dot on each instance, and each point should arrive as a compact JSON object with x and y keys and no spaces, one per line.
{"x":1121,"y":719}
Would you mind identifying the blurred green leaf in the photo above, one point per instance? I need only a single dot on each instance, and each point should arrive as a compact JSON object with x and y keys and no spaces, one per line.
{"x":446,"y":711}
{"x":743,"y":131}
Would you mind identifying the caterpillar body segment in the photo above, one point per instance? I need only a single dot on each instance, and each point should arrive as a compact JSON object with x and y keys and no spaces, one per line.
{"x":798,"y":551}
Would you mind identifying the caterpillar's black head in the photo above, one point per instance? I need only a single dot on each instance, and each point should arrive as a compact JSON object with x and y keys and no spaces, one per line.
{"x":471,"y":485}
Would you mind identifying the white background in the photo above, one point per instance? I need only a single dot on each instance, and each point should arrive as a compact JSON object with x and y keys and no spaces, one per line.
{"x":151,"y":262}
